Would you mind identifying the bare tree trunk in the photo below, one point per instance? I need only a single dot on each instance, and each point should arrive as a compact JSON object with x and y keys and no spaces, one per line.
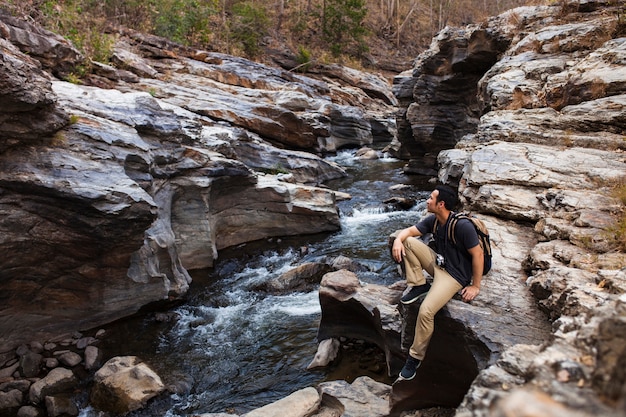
{"x":281,"y":12}
{"x":406,"y":19}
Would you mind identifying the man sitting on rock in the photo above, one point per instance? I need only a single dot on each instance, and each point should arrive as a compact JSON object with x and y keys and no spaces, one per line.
{"x":453,"y":267}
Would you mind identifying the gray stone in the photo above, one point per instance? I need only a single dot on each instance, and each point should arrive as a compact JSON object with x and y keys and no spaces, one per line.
{"x":70,"y":359}
{"x":58,"y":380}
{"x":92,"y":355}
{"x":364,"y":397}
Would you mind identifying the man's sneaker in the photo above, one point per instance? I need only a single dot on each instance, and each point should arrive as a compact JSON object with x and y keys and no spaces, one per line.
{"x":414,"y":293}
{"x":410,"y":368}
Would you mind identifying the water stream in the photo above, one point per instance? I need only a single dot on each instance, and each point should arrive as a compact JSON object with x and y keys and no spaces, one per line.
{"x":232,"y":348}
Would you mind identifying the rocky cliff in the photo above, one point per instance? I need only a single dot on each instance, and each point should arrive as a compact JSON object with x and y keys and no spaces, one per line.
{"x":111,"y":190}
{"x":535,"y":101}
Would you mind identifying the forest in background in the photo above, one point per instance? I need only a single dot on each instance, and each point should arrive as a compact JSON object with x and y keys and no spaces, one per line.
{"x":367,"y":34}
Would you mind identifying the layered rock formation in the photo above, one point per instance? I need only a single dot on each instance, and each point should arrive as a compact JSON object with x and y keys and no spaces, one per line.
{"x":537,"y":98}
{"x":110,"y":192}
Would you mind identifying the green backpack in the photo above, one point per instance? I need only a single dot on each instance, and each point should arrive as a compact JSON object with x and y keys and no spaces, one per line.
{"x":481,"y":231}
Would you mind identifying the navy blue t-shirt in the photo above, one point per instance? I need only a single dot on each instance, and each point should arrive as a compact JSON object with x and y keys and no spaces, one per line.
{"x":458,"y":262}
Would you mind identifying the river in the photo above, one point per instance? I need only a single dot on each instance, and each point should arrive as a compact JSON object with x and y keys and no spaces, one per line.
{"x":231,"y":348}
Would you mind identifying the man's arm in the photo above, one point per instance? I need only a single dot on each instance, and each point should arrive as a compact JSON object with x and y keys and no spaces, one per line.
{"x":471,"y":291}
{"x":397,"y":250}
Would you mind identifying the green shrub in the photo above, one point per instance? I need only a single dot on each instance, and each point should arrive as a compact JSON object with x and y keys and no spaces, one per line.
{"x":184,"y":21}
{"x":303,"y":58}
{"x":248,"y":25}
{"x":342,"y":25}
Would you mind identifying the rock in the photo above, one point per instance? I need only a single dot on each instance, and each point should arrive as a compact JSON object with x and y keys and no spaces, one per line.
{"x":51,"y":363}
{"x":166,"y":176}
{"x":70,"y":359}
{"x":83,"y":342}
{"x":30,"y":364}
{"x":92,"y":355}
{"x":367,"y":154}
{"x":36,"y":347}
{"x":57,"y":381}
{"x":29,"y":112}
{"x":9,"y":370}
{"x":125,"y":59}
{"x":343,"y":262}
{"x":364,"y":397}
{"x":533,"y":101}
{"x":536,"y":403}
{"x":53,"y":51}
{"x":21,"y":385}
{"x":57,"y":406}
{"x":365,"y":312}
{"x":29,"y":411}
{"x":326,"y":353}
{"x":304,"y":167}
{"x":299,"y":404}
{"x":10,"y":400}
{"x":299,"y":278}
{"x":124,"y":384}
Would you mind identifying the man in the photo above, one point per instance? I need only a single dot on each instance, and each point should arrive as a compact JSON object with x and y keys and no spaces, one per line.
{"x":460,"y":267}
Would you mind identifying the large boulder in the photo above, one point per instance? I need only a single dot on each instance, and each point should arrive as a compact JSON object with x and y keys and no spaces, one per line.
{"x":124,"y":384}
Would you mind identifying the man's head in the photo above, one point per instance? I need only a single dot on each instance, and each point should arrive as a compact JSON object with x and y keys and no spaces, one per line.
{"x":448,"y":196}
{"x":444,"y":196}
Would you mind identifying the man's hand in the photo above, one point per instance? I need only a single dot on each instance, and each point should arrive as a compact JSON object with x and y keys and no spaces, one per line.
{"x":469,"y":293}
{"x":397,"y":250}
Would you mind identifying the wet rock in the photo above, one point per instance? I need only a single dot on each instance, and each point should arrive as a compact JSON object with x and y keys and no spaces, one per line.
{"x":299,"y":278}
{"x":326,"y":353}
{"x":367,"y":154}
{"x":343,"y":262}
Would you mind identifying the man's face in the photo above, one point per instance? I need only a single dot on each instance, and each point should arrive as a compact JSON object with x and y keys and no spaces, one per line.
{"x":431,"y":204}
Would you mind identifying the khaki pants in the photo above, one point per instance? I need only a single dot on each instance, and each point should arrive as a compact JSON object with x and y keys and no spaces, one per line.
{"x":420,"y":257}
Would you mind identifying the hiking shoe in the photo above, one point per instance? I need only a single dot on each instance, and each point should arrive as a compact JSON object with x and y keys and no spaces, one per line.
{"x":410,"y":368}
{"x":414,"y":293}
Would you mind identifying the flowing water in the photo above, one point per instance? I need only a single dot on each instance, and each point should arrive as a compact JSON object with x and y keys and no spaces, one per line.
{"x":232,"y":348}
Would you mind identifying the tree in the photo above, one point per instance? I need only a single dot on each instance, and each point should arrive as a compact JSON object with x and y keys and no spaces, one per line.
{"x":248,"y":25}
{"x":342,"y":24}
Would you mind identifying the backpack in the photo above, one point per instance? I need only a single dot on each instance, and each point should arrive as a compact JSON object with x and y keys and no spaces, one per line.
{"x":481,"y":231}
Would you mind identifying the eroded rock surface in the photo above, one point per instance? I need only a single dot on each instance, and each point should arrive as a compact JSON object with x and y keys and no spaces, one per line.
{"x":111,"y":191}
{"x":539,"y":149}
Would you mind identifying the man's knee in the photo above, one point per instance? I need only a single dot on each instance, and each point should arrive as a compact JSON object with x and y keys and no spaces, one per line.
{"x":414,"y":244}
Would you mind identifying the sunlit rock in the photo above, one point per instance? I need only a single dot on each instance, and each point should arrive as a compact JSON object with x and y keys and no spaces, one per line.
{"x":124,"y":384}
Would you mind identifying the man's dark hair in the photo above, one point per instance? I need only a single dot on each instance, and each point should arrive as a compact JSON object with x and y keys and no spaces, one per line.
{"x":448,"y":196}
